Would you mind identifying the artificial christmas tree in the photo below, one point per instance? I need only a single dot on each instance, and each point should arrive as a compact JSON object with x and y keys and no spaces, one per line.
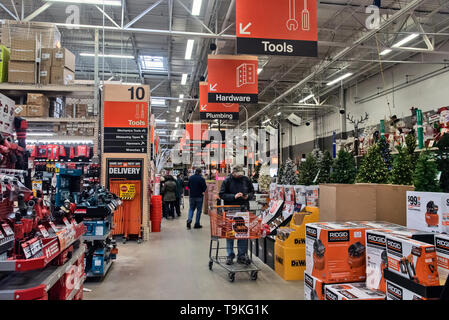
{"x":373,"y":168}
{"x":324,"y":166}
{"x":384,"y":148}
{"x":410,"y":141}
{"x":289,"y":176}
{"x":264,"y":179}
{"x":343,"y":168}
{"x":280,"y":173}
{"x":425,"y":175}
{"x":402,"y":170}
{"x":308,"y":171}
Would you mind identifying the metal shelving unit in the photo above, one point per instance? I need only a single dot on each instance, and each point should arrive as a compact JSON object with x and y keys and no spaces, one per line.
{"x":93,"y":238}
{"x":74,"y":120}
{"x":45,"y":88}
{"x":16,"y":284}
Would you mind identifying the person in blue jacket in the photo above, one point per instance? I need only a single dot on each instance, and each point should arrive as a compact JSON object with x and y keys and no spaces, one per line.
{"x":197,"y":187}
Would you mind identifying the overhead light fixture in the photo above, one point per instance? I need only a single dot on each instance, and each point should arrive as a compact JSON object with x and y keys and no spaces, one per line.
{"x":177,"y":119}
{"x":176,"y":125}
{"x":189,"y":49}
{"x":310,"y":96}
{"x":259,"y":70}
{"x":158,"y":102}
{"x":196,"y":7}
{"x":99,"y":2}
{"x":347,"y":75}
{"x":131,"y":83}
{"x":268,"y":120}
{"x":178,"y":108}
{"x":278,"y":114}
{"x":386,"y":51}
{"x":121,"y":56}
{"x":184,"y":79}
{"x":160,"y":120}
{"x":181,"y":96}
{"x":405,"y":40}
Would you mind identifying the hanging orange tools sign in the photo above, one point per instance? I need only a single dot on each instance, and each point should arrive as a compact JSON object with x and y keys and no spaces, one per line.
{"x":283,"y":27}
{"x":233,"y":79}
{"x":212,"y":111}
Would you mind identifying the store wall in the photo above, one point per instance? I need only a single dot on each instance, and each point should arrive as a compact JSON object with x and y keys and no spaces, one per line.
{"x":430,"y":92}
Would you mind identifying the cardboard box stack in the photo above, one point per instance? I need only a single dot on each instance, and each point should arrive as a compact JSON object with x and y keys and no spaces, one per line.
{"x":22,"y":64}
{"x":399,"y":263}
{"x":38,"y":105}
{"x":62,"y":67}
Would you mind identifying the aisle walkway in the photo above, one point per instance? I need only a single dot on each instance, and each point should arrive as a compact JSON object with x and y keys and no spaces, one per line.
{"x":173,"y":264}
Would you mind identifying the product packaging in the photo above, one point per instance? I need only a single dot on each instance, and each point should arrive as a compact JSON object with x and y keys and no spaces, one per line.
{"x":442,"y":248}
{"x":63,"y":58}
{"x":313,"y":288}
{"x":351,"y":291}
{"x":425,"y":211}
{"x":22,"y":72}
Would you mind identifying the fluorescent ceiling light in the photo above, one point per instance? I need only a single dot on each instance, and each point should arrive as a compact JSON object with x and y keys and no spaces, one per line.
{"x":259,"y":70}
{"x":347,"y":75}
{"x":310,"y":96}
{"x":100,"y":2}
{"x":178,"y":108}
{"x":386,"y":51}
{"x":405,"y":40}
{"x":184,"y":79}
{"x":158,"y":102}
{"x":181,"y":96}
{"x":189,"y":49}
{"x":278,"y":114}
{"x":196,"y":7}
{"x":131,"y":83}
{"x":123,"y":56}
{"x":176,"y":125}
{"x":160,"y":120}
{"x":177,"y":119}
{"x":268,"y":120}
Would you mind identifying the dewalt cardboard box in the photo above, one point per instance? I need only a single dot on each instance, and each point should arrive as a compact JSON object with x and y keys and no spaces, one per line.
{"x":24,"y":49}
{"x":351,"y":291}
{"x":313,"y":288}
{"x":61,"y":76}
{"x":22,"y":72}
{"x":335,"y":252}
{"x":290,"y":262}
{"x":63,"y":58}
{"x":4,"y":61}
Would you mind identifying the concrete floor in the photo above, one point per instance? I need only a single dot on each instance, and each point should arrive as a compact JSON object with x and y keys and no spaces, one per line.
{"x":173,"y":265}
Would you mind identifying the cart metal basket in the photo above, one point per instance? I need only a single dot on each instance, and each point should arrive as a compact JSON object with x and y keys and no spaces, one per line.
{"x":225,"y":224}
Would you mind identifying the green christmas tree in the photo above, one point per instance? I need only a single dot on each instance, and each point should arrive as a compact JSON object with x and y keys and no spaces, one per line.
{"x":410,"y":142}
{"x":308,"y":170}
{"x":425,"y":175}
{"x":443,"y":161}
{"x":402,"y":170}
{"x":280,"y":173}
{"x":289,"y":177}
{"x":324,"y":167}
{"x":373,"y":168}
{"x":343,"y":168}
{"x":384,"y":149}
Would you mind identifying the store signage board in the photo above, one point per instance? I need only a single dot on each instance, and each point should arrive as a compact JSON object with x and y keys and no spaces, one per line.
{"x":232,"y":79}
{"x":124,"y":169}
{"x":126,"y":118}
{"x":212,"y":111}
{"x":267,"y":27}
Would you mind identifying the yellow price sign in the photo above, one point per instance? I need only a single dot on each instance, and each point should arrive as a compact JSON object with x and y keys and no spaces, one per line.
{"x":127,"y":191}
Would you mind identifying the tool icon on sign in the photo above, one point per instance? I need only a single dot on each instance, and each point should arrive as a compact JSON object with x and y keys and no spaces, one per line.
{"x":305,"y":17}
{"x":292,"y":23}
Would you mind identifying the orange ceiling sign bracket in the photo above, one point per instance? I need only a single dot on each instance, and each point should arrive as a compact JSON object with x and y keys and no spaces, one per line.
{"x":233,"y":79}
{"x":283,"y":27}
{"x":212,"y":111}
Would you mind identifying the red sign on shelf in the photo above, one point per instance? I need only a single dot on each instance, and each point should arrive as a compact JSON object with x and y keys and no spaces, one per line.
{"x":286,"y":27}
{"x":212,"y":111}
{"x":233,"y":79}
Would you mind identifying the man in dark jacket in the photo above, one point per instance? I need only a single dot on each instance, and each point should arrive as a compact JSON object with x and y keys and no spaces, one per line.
{"x":197,"y":187}
{"x":237,"y":189}
{"x":169,"y":195}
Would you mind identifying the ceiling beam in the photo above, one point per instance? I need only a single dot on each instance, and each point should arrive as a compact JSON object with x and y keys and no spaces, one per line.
{"x":38,"y":11}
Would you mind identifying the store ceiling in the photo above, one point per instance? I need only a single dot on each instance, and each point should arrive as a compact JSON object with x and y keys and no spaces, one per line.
{"x":281,"y":83}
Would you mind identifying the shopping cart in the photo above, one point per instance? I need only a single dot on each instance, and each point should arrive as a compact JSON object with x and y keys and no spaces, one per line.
{"x":233,"y":222}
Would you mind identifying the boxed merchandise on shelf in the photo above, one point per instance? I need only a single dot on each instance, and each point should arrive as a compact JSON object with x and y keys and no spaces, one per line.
{"x":21,"y":110}
{"x":4,"y":62}
{"x":428,"y":211}
{"x":46,"y":57}
{"x":400,"y":288}
{"x":61,"y":76}
{"x":24,"y":49}
{"x":442,"y":249}
{"x":313,"y":287}
{"x":63,"y":58}
{"x":47,"y":33}
{"x":335,"y":252}
{"x":37,"y":111}
{"x":81,"y":111}
{"x":351,"y":291}
{"x":37,"y":99}
{"x":22,"y":72}
{"x":44,"y":74}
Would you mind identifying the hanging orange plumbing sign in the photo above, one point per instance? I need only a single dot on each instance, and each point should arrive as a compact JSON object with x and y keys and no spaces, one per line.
{"x":233,"y":79}
{"x":282,"y":27}
{"x":212,"y":111}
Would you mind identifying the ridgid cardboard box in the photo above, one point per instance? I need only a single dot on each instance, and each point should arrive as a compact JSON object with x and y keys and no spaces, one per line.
{"x":442,"y":248}
{"x":352,"y":291}
{"x":313,"y":288}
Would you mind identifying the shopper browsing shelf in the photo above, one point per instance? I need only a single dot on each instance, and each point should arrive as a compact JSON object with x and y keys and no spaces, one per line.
{"x":169,"y":195}
{"x":237,"y":189}
{"x":197,"y":187}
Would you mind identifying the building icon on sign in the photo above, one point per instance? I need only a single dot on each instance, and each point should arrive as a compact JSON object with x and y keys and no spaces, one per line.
{"x":246,"y":74}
